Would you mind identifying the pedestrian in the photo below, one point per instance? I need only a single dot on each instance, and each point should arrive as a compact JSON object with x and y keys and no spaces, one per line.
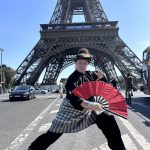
{"x":76,"y":114}
{"x":61,"y":89}
{"x":113,"y":80}
{"x":129,"y":84}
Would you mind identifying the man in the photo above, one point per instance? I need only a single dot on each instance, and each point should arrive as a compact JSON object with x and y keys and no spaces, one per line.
{"x":61,"y":89}
{"x":76,"y":114}
{"x":129,"y":84}
{"x":113,"y":80}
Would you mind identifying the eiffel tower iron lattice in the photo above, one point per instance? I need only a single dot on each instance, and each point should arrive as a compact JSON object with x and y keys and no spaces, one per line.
{"x":61,"y":39}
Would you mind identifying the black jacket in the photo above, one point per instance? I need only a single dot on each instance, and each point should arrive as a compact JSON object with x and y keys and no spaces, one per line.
{"x":74,"y":80}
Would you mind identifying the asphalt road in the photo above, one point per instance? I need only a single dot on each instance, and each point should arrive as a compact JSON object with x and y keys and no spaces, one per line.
{"x":23,"y":121}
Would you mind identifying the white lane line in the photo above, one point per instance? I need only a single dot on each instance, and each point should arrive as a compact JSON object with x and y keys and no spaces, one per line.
{"x":19,"y":140}
{"x":104,"y":147}
{"x":95,"y":148}
{"x":57,"y":105}
{"x":136,"y":135}
{"x":44,"y":127}
{"x":142,"y":116}
{"x":54,"y":111}
{"x":128,"y":143}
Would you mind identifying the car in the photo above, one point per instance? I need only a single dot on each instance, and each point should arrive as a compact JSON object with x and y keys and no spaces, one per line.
{"x":40,"y":91}
{"x":55,"y":91}
{"x":20,"y":92}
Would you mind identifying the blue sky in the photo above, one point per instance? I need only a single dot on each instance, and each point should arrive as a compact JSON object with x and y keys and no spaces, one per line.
{"x":20,"y":24}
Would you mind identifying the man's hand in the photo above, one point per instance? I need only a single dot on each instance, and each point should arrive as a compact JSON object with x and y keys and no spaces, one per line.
{"x":92,"y":105}
{"x":96,"y":106}
{"x":100,"y":74}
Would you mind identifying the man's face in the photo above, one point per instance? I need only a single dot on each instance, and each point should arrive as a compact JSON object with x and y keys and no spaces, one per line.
{"x":81,"y":65}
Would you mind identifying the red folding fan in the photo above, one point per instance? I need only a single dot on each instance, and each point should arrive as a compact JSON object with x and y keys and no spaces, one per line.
{"x":105,"y":94}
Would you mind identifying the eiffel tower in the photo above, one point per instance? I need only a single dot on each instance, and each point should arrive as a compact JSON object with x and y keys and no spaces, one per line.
{"x":61,"y":38}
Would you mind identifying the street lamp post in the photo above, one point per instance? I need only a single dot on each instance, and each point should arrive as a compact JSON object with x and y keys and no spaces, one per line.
{"x":1,"y":72}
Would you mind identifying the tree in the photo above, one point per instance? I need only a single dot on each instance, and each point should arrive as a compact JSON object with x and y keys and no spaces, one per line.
{"x":8,"y":75}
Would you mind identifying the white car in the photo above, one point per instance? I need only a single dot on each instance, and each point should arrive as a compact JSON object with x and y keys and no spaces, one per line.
{"x":40,"y":91}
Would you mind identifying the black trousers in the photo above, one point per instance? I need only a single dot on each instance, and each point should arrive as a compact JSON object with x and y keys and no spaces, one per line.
{"x":110,"y":129}
{"x":104,"y":121}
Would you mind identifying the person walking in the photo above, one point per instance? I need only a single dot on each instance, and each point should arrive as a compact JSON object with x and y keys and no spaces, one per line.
{"x":61,"y":89}
{"x":129,"y":85}
{"x":76,"y":114}
{"x":113,"y":80}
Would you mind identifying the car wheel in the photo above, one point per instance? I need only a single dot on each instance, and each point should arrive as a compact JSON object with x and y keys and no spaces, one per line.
{"x":33,"y":96}
{"x":29,"y":97}
{"x":10,"y":99}
{"x":42,"y":92}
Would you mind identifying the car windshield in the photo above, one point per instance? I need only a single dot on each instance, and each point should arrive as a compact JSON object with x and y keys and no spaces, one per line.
{"x":24,"y":88}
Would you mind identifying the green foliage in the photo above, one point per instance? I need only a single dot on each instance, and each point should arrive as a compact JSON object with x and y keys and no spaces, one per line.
{"x":7,"y":76}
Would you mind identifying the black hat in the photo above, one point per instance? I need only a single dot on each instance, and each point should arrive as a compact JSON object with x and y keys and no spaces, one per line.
{"x":83,"y":54}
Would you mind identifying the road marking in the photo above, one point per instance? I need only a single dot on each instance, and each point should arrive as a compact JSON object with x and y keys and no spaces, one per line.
{"x":95,"y":148}
{"x":127,"y":141}
{"x":57,"y":105}
{"x":136,"y":135}
{"x":44,"y":127}
{"x":143,"y":117}
{"x":19,"y":140}
{"x":54,"y":111}
{"x":104,"y":147}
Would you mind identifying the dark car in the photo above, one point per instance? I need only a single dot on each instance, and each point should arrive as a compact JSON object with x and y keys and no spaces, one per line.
{"x":55,"y":90}
{"x":22,"y":92}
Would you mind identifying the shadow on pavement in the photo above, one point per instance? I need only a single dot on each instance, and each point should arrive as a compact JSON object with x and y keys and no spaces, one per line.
{"x":141,"y":106}
{"x":147,"y":123}
{"x":7,"y":100}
